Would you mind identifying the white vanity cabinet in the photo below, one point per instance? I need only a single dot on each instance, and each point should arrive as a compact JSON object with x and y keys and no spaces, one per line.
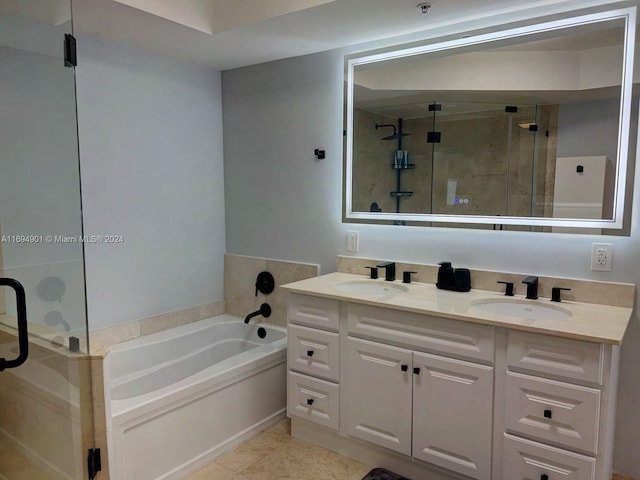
{"x":313,"y":360}
{"x":559,"y":408}
{"x":429,"y":406}
{"x":449,"y":399}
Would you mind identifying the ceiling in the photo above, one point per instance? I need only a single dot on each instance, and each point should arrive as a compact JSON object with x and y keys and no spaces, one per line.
{"x":226,"y":34}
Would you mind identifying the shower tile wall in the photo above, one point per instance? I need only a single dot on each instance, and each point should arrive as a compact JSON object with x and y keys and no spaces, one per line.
{"x":474,"y":151}
{"x":548,"y":149}
{"x":372,"y":160}
{"x":240,"y":274}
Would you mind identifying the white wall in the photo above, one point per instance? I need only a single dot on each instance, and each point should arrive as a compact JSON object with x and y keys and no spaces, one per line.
{"x":152,"y":171}
{"x":283,"y":203}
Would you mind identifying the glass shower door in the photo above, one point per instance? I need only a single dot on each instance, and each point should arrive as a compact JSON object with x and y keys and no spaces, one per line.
{"x":45,"y":402}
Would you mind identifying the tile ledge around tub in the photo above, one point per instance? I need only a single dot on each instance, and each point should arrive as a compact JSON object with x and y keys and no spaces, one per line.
{"x":101,"y":340}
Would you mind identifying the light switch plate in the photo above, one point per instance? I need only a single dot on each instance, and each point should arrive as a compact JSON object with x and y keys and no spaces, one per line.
{"x":353,"y":241}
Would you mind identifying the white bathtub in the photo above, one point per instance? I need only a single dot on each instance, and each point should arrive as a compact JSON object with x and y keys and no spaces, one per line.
{"x":181,"y":397}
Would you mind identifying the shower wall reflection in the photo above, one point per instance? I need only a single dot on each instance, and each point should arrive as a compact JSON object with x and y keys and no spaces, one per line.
{"x":482,"y":160}
{"x":475,"y":159}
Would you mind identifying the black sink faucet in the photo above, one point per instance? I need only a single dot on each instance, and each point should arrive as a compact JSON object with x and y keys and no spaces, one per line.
{"x":390,"y":271}
{"x":532,"y":287}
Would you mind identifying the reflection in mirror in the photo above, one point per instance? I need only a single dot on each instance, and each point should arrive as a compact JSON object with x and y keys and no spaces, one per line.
{"x":516,"y":129}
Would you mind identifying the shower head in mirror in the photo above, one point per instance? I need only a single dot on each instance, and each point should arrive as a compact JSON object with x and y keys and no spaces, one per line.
{"x":395,"y":135}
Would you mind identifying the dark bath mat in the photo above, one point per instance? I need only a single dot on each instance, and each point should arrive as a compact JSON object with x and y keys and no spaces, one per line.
{"x":383,"y":474}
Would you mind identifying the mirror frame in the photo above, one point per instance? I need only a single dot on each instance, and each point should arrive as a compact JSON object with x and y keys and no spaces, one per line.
{"x":626,"y":14}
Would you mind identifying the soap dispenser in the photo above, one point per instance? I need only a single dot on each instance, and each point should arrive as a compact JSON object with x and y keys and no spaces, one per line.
{"x":446,"y":278}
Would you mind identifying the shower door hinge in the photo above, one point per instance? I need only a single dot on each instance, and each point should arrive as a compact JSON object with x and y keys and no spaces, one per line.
{"x":94,"y":462}
{"x":70,"y":54}
{"x":434,"y":137}
{"x":511,"y":109}
{"x":434,"y":107}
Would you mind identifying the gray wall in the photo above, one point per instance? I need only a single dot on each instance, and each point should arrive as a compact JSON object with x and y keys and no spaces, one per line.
{"x":588,"y":127}
{"x":152,"y":171}
{"x":282,"y":203}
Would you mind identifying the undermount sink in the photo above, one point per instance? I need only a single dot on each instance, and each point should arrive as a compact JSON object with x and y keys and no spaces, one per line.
{"x":523,"y":309}
{"x":371,"y":287}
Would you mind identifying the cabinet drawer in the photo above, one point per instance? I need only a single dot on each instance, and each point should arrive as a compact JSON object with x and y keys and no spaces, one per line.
{"x":312,"y":399}
{"x":571,"y":359}
{"x":553,"y":411}
{"x":437,"y":335}
{"x":314,"y":352}
{"x":525,"y":460}
{"x":313,"y":312}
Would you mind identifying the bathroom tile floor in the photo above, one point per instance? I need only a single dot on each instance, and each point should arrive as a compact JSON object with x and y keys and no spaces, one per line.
{"x":14,"y":465}
{"x":275,"y":455}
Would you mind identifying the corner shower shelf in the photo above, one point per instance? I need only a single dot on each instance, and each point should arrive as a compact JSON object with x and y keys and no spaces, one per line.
{"x":401,"y":194}
{"x":408,"y":166}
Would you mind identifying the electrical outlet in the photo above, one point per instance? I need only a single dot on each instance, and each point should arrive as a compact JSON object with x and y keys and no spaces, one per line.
{"x":601,"y":256}
{"x":353,"y":242}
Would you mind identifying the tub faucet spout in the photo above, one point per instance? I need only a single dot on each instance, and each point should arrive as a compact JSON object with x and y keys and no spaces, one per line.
{"x":265,"y":311}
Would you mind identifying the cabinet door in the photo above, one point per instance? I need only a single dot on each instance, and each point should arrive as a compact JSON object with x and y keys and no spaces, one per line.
{"x":378,"y":394}
{"x":452,"y":414}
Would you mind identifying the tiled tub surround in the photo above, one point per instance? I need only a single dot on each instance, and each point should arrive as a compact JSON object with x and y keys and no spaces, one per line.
{"x":240,"y":274}
{"x":101,"y":339}
{"x":482,"y":387}
{"x":45,"y":411}
{"x":239,"y":286}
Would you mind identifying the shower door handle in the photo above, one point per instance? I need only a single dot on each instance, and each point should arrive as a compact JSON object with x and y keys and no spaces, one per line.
{"x":23,"y":335}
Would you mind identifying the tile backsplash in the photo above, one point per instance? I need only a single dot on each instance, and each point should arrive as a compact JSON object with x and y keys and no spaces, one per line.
{"x":240,"y":274}
{"x":604,"y":293}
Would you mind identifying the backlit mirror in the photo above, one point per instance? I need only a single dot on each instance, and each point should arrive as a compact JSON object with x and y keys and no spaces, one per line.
{"x":524,"y":129}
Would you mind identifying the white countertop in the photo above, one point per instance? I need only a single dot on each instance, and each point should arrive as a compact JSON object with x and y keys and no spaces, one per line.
{"x":589,"y":321}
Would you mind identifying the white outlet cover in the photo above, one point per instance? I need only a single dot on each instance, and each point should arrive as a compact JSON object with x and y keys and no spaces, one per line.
{"x":602,"y":257}
{"x":353,"y":241}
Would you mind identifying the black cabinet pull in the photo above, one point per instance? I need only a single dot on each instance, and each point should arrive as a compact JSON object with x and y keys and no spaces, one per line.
{"x":309,"y":401}
{"x":404,"y":368}
{"x":548,"y":414}
{"x":309,"y":353}
{"x":544,"y":476}
{"x":416,"y":370}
